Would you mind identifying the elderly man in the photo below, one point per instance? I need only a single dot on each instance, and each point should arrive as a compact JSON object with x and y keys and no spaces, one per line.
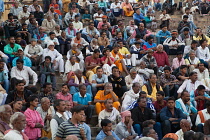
{"x":49,"y":24}
{"x":203,"y":74}
{"x":56,"y":57}
{"x":130,"y":96}
{"x":18,"y":122}
{"x":185,"y":126}
{"x":90,"y":32}
{"x":40,"y":36}
{"x":23,"y":73}
{"x":34,"y":52}
{"x":47,"y":112}
{"x":161,"y":56}
{"x":192,"y":61}
{"x":5,"y":114}
{"x":103,"y":95}
{"x":110,"y":113}
{"x":133,"y":77}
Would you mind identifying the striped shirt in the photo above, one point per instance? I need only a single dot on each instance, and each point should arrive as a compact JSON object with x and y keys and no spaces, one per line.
{"x":68,"y":128}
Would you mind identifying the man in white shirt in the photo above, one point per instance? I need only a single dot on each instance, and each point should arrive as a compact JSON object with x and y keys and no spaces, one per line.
{"x":52,"y":37}
{"x":59,"y":117}
{"x":202,"y":117}
{"x":69,"y":17}
{"x":190,"y":84}
{"x":21,"y":72}
{"x":133,"y":77}
{"x":116,"y":8}
{"x":185,"y":126}
{"x":97,"y":17}
{"x":77,"y":24}
{"x":34,"y":52}
{"x":71,"y":66}
{"x":203,"y":51}
{"x":15,"y":10}
{"x":18,"y":122}
{"x":23,"y":15}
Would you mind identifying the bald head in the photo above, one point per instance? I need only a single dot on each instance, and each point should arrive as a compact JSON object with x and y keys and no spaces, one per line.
{"x":185,"y":125}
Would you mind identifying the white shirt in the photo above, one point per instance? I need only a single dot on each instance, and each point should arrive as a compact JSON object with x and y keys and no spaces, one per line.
{"x":206,"y":116}
{"x":33,"y":50}
{"x":47,"y":39}
{"x":203,"y":53}
{"x":180,"y":134}
{"x":24,"y":74}
{"x":23,"y":14}
{"x":190,"y":17}
{"x":78,"y":25}
{"x":164,"y":17}
{"x":202,"y":75}
{"x":31,"y":8}
{"x":114,"y":6}
{"x":54,"y":125}
{"x":15,"y":11}
{"x":13,"y":135}
{"x":96,"y":15}
{"x":69,"y":67}
{"x":68,"y":16}
{"x":55,"y":55}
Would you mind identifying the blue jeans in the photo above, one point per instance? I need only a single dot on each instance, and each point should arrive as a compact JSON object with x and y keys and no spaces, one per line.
{"x":173,"y":51}
{"x":137,"y":129}
{"x":173,"y":91}
{"x":192,"y":27}
{"x":6,"y":85}
{"x":44,"y":79}
{"x":158,"y":6}
{"x":96,"y":23}
{"x":74,"y":90}
{"x":200,"y":127}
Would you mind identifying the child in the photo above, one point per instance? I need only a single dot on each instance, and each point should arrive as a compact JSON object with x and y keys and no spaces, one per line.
{"x":160,"y":103}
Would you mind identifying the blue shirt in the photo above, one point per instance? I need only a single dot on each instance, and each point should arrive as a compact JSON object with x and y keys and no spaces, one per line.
{"x":188,"y":107}
{"x":3,"y":75}
{"x":1,"y":6}
{"x":101,"y":135}
{"x":138,"y":17}
{"x":77,"y":98}
{"x":149,"y":46}
{"x":161,"y":35}
{"x":40,"y":37}
{"x":26,"y":61}
{"x":87,"y":131}
{"x":192,"y":96}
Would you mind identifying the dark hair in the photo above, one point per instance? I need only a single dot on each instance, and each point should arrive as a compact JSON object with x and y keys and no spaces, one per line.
{"x":142,"y":92}
{"x":149,"y":37}
{"x":185,"y":16}
{"x":201,"y":87}
{"x":201,"y":41}
{"x":106,"y":49}
{"x":146,"y":131}
{"x":81,"y":85}
{"x":163,"y":25}
{"x":192,"y":73}
{"x":161,"y":93}
{"x":10,"y":14}
{"x":77,"y":109}
{"x":102,"y":33}
{"x":167,"y":68}
{"x":19,"y":60}
{"x":139,"y":99}
{"x":186,"y":29}
{"x":25,"y":6}
{"x":184,"y":91}
{"x":187,"y":8}
{"x":19,"y":81}
{"x":34,"y":90}
{"x":194,"y":42}
{"x":138,"y":36}
{"x":106,"y":101}
{"x":46,"y":84}
{"x":48,"y":57}
{"x":134,"y":84}
{"x":188,"y":135}
{"x":96,"y":51}
{"x":115,"y":67}
{"x":207,"y":103}
{"x":34,"y":0}
{"x":98,"y":68}
{"x":105,"y":122}
{"x":198,"y":136}
{"x":51,"y":33}
{"x":76,"y":16}
{"x":90,"y":23}
{"x":78,"y":33}
{"x":31,"y":99}
{"x":147,"y":123}
{"x":178,"y":53}
{"x":200,"y":63}
{"x":167,"y":139}
{"x":24,"y":24}
{"x":150,"y":76}
{"x":57,"y":103}
{"x":171,"y":98}
{"x":183,"y":66}
{"x":65,"y":85}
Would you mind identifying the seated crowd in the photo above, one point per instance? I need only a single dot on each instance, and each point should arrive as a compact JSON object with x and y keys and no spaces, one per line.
{"x":120,"y":74}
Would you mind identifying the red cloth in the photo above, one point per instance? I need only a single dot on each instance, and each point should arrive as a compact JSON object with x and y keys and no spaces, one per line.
{"x":161,"y":58}
{"x":158,"y":107}
{"x":90,"y":61}
{"x":104,"y":58}
{"x":200,"y":103}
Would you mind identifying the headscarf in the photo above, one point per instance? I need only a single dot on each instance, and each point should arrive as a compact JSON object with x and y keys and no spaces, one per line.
{"x":125,"y":114}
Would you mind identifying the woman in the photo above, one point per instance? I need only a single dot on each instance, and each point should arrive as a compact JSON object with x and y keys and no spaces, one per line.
{"x":17,"y":105}
{"x":33,"y":119}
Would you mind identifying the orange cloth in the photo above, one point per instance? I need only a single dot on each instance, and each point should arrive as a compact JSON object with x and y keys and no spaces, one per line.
{"x":118,"y":62}
{"x":128,"y":9}
{"x":100,"y":96}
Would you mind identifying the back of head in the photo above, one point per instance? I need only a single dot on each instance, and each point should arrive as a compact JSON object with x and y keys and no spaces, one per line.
{"x":198,"y":136}
{"x":188,"y":135}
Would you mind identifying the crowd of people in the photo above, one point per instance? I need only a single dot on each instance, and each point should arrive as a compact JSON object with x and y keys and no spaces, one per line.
{"x":120,"y":73}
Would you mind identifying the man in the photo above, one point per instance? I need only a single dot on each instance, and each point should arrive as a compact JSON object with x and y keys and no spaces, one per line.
{"x":163,"y":34}
{"x":34,"y":52}
{"x":191,"y":84}
{"x":152,"y":87}
{"x":91,"y":63}
{"x":80,"y":42}
{"x":69,"y":17}
{"x":65,"y":95}
{"x":144,"y":72}
{"x":47,"y":92}
{"x":133,"y":77}
{"x":142,"y":110}
{"x":137,"y":52}
{"x":104,"y":21}
{"x":18,"y":122}
{"x":172,"y":44}
{"x":77,"y":79}
{"x":56,"y":57}
{"x":15,"y":10}
{"x":165,"y":18}
{"x":5,"y":114}
{"x":192,"y":61}
{"x":72,"y":127}
{"x":90,"y":32}
{"x":131,"y":96}
{"x":103,"y":95}
{"x":118,"y":82}
{"x":186,"y":106}
{"x":186,"y":37}
{"x":148,"y":133}
{"x":106,"y":131}
{"x":138,"y":17}
{"x":41,"y":36}
{"x":48,"y":24}
{"x":169,"y":83}
{"x":97,"y":17}
{"x":98,"y":81}
{"x":110,"y":113}
{"x":203,"y":74}
{"x":23,"y":73}
{"x":4,"y":76}
{"x":46,"y":112}
{"x":202,"y":117}
{"x":161,"y":57}
{"x":26,"y":61}
{"x":23,"y":15}
{"x":185,"y":126}
{"x":52,"y":37}
{"x":71,"y":66}
{"x":11,"y":25}
{"x":77,"y":24}
{"x":184,"y":24}
{"x":178,"y":61}
{"x":198,"y":97}
{"x":59,"y":116}
{"x":38,"y":14}
{"x":11,"y":49}
{"x":150,"y":61}
{"x":143,"y":32}
{"x":19,"y":92}
{"x":160,"y":103}
{"x":199,"y":35}
{"x":170,"y":123}
{"x":85,"y":99}
{"x":32,"y":7}
{"x":203,"y":51}
{"x":124,"y":52}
